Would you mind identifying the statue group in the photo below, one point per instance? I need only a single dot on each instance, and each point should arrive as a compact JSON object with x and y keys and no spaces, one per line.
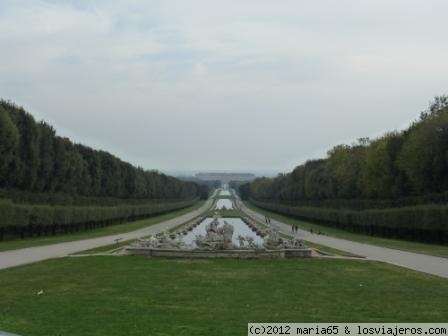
{"x":273,"y":241}
{"x":162,"y":241}
{"x":216,"y":237}
{"x":220,"y":238}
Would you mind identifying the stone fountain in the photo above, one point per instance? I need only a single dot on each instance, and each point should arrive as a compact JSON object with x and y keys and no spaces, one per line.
{"x":217,"y":243}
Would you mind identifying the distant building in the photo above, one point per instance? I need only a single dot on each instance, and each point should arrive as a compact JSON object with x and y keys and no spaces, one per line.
{"x":226,"y":177}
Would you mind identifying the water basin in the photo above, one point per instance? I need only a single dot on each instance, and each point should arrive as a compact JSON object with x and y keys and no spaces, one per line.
{"x":221,"y":203}
{"x":239,"y":229}
{"x":224,"y":192}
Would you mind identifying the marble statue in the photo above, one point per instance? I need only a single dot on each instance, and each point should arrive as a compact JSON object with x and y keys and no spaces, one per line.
{"x":216,"y":238}
{"x":241,"y":240}
{"x":273,"y":241}
{"x":163,"y":241}
{"x":250,"y":243}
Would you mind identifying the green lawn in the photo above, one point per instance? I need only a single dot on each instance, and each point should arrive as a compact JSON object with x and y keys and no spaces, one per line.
{"x":140,"y":296}
{"x":431,"y":249}
{"x":110,"y":230}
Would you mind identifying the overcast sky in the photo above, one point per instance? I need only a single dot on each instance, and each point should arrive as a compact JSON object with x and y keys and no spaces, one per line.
{"x":252,"y":85}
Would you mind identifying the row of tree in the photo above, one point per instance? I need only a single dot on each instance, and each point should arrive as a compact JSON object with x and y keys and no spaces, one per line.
{"x":33,"y":158}
{"x":411,"y":163}
{"x":29,"y":220}
{"x":424,"y":223}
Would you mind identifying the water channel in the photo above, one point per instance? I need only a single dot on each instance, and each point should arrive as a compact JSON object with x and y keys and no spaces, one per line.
{"x":240,"y":229}
{"x":224,"y":203}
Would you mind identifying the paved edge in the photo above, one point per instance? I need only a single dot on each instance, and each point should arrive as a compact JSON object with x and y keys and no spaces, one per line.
{"x":415,"y":261}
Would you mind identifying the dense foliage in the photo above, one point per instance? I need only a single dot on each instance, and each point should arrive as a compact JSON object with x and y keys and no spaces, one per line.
{"x":25,"y":220}
{"x":375,"y":186}
{"x":49,"y":185}
{"x":33,"y":158}
{"x":205,"y":187}
{"x":411,"y":163}
{"x":425,"y":223}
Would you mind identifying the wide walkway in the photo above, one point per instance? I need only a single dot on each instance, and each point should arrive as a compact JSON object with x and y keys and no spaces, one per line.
{"x":415,"y":261}
{"x":29,"y":255}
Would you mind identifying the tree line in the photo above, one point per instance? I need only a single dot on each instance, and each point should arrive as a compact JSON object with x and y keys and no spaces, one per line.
{"x":424,"y":223}
{"x":34,"y":159}
{"x":31,"y":220}
{"x":395,"y":186}
{"x":409,"y":164}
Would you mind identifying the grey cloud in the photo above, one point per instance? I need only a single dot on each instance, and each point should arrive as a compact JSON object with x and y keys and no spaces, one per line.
{"x":206,"y":84}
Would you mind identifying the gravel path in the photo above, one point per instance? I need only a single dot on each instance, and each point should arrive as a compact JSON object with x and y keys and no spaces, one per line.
{"x":415,"y":261}
{"x":29,"y":255}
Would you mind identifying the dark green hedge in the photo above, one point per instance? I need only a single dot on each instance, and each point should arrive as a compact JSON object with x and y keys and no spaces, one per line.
{"x":369,"y":204}
{"x":20,"y":220}
{"x":425,"y":223}
{"x":62,"y":199}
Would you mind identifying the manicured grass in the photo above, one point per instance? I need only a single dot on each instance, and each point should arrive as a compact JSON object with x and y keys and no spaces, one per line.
{"x":141,"y":296}
{"x":110,"y":230}
{"x":431,"y":249}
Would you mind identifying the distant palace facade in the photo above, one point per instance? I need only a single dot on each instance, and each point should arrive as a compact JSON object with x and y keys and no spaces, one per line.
{"x":225,"y":177}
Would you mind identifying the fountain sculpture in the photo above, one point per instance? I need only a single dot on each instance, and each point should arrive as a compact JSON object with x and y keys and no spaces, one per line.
{"x":217,"y":242}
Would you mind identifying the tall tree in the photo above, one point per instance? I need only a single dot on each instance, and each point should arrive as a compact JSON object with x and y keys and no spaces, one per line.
{"x":424,"y":157}
{"x":9,"y":143}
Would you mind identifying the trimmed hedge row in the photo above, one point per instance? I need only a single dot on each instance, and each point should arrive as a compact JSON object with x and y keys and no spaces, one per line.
{"x":369,"y":204}
{"x":19,"y":220}
{"x":424,"y":223}
{"x":61,"y":199}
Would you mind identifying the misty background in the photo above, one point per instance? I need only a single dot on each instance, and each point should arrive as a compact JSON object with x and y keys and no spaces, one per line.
{"x":254,"y":85}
